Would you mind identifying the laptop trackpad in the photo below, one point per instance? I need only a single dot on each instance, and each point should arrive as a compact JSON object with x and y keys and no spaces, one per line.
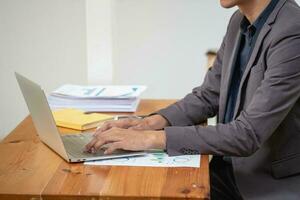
{"x":75,"y":145}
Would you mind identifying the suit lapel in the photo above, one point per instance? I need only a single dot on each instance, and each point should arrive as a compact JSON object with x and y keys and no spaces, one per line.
{"x":265,"y":30}
{"x":229,"y":72}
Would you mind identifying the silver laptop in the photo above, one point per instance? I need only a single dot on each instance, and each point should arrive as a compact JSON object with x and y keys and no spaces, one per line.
{"x":71,"y":146}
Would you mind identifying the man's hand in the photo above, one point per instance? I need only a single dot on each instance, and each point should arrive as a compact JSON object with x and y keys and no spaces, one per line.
{"x":127,"y":139}
{"x":154,"y":122}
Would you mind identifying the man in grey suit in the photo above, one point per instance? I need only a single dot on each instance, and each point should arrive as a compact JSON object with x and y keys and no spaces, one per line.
{"x":254,"y":88}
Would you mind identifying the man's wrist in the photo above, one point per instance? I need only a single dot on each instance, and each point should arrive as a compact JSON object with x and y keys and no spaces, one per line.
{"x":157,"y":122}
{"x":158,"y":140}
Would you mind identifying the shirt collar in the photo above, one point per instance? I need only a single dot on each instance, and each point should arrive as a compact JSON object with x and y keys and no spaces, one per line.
{"x":245,"y":25}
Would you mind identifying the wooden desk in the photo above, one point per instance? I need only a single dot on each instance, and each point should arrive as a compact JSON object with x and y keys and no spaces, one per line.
{"x":30,"y":170}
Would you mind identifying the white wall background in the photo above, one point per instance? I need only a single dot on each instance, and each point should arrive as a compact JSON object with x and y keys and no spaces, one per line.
{"x":159,"y":43}
{"x":46,"y":41}
{"x":162,"y":43}
{"x":99,"y":41}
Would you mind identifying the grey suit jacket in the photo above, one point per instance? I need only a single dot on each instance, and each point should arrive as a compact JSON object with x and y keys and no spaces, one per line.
{"x":264,"y":138}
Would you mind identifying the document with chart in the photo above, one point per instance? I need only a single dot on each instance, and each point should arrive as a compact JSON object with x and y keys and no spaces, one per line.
{"x":152,"y":159}
{"x":108,"y":98}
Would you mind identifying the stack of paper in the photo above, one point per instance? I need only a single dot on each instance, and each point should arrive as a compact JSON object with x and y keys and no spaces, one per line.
{"x":97,"y":98}
{"x":77,"y":119}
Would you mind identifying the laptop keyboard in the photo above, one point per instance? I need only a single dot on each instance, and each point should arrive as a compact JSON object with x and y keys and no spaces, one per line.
{"x":75,"y":145}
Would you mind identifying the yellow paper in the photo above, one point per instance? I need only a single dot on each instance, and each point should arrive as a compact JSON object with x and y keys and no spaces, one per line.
{"x":76,"y":119}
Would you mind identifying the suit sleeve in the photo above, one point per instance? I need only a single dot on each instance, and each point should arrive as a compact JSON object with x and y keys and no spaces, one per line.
{"x":201,"y":103}
{"x":272,"y":101}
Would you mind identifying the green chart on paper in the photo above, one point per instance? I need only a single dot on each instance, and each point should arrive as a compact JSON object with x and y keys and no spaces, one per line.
{"x":154,"y":158}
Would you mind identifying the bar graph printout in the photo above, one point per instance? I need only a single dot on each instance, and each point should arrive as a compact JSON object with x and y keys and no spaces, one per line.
{"x":109,"y":91}
{"x":108,"y":98}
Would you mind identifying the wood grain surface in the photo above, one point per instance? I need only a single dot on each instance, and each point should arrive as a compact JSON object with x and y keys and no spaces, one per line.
{"x":30,"y":170}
